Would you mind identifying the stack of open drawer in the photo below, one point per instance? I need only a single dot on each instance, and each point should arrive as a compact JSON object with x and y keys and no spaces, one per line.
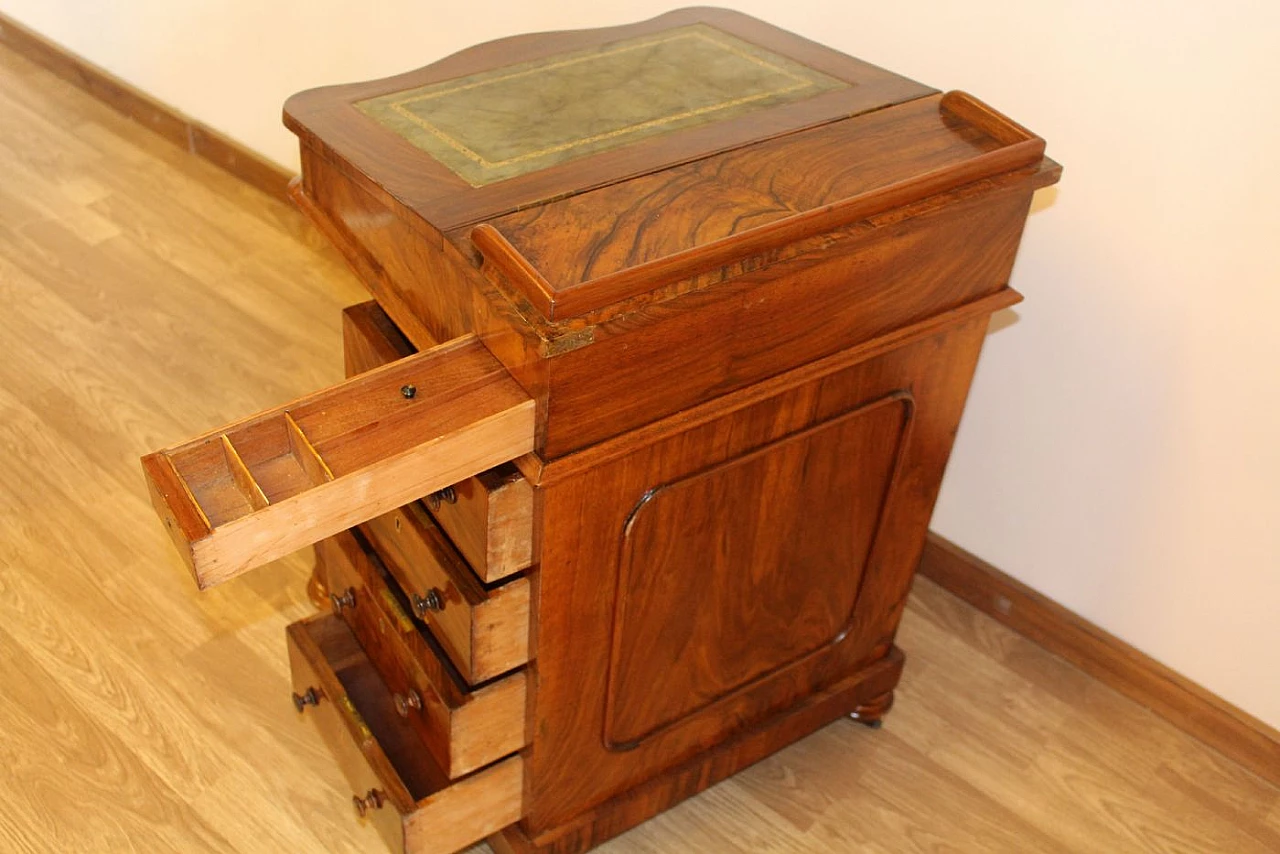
{"x":423,"y":659}
{"x":416,"y":676}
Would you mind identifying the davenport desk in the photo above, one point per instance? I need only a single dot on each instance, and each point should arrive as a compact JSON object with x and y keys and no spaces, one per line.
{"x":672,"y":327}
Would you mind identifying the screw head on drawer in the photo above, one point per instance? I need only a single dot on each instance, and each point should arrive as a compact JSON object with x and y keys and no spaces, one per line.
{"x":306,"y":698}
{"x":371,"y":801}
{"x":407,"y":702}
{"x":426,"y":602}
{"x":408,"y":391}
{"x":346,"y":600}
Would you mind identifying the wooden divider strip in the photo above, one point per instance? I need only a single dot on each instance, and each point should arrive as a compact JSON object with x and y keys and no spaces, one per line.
{"x":242,"y":477}
{"x":305,"y":452}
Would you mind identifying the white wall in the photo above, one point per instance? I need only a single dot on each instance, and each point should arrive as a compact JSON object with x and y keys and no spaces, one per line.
{"x":1121,"y":452}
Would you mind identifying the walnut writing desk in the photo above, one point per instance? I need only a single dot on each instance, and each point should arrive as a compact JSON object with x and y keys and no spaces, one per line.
{"x":673,"y":327}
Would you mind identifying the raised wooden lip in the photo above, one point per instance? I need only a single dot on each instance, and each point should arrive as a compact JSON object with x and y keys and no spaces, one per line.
{"x":1020,"y":148}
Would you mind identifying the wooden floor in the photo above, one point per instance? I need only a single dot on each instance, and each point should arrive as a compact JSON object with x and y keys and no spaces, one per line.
{"x":144,"y":297}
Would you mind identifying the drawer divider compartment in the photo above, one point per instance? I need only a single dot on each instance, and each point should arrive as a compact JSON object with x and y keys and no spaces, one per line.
{"x":260,"y":488}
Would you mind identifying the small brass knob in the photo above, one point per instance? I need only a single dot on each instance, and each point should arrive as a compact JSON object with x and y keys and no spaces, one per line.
{"x":371,"y":801}
{"x":429,"y":601}
{"x":307,"y":698}
{"x":446,"y":495}
{"x":407,"y":702}
{"x":346,"y":600}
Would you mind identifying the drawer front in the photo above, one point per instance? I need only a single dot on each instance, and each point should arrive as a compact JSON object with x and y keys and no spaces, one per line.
{"x":396,"y":786}
{"x":257,"y":489}
{"x":485,"y":630}
{"x":370,"y":339}
{"x":488,"y":517}
{"x":463,"y":729}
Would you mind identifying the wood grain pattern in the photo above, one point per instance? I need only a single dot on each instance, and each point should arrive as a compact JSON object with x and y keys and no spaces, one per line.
{"x":490,"y":519}
{"x":711,"y":766}
{"x":965,"y":184}
{"x":464,"y":729}
{"x":769,"y":320}
{"x":706,"y":412}
{"x":662,"y":618}
{"x":329,"y":665}
{"x":389,"y":251}
{"x":1236,"y":734}
{"x":589,"y":251}
{"x":370,"y":340}
{"x":784,"y":586}
{"x":580,"y":569}
{"x":741,"y":331}
{"x":167,"y":714}
{"x":354,"y":451}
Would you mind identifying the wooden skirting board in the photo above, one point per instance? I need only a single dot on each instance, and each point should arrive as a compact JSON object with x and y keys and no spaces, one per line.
{"x":1236,"y":734}
{"x":1232,"y":732}
{"x":169,"y":122}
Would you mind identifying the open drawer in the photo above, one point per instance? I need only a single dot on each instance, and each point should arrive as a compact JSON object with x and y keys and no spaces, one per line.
{"x":488,"y":517}
{"x":484,"y":629}
{"x":464,"y":728}
{"x":255,"y":490}
{"x":395,"y":784}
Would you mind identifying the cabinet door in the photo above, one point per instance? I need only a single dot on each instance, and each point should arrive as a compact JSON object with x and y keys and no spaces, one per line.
{"x":738,"y":571}
{"x":705,"y":581}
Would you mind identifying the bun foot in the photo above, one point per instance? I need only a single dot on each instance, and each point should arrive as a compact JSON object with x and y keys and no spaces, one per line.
{"x":870,"y":713}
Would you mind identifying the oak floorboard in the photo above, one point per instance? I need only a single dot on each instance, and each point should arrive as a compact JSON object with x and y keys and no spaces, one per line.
{"x":147,"y":296}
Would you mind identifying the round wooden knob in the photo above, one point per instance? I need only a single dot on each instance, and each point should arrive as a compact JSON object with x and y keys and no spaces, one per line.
{"x":429,"y":601}
{"x":406,"y":702}
{"x":446,"y":495}
{"x":346,"y":600}
{"x":306,"y":698}
{"x":371,"y":801}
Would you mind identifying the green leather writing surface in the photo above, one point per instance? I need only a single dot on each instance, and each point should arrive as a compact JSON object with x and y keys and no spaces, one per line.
{"x":515,"y":120}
